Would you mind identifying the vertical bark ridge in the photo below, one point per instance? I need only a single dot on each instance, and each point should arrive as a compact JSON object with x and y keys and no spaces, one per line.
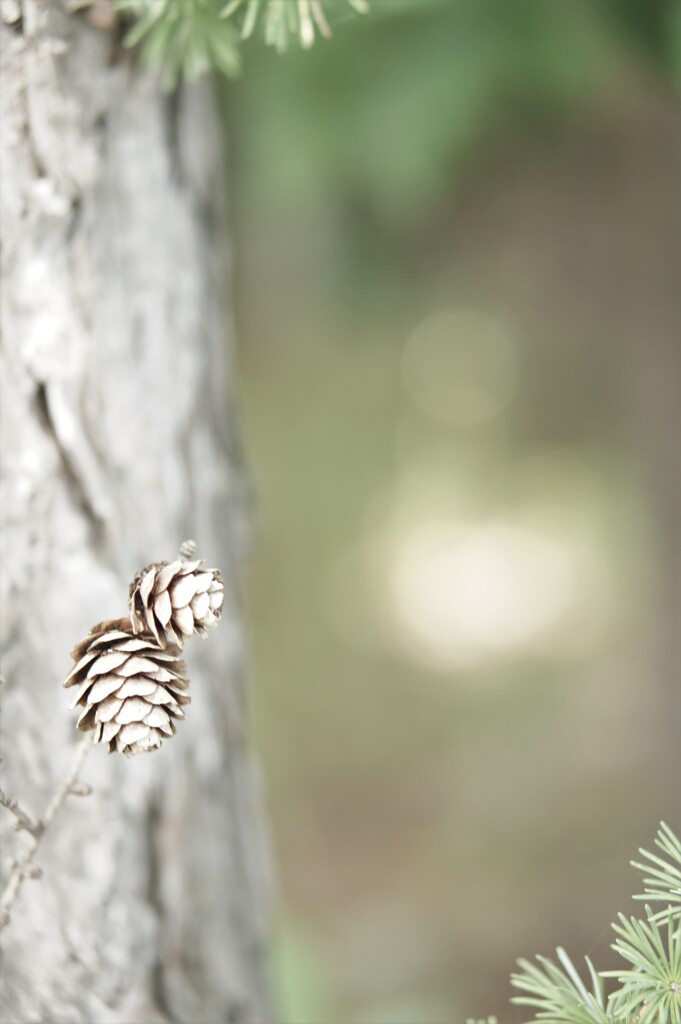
{"x":116,"y":444}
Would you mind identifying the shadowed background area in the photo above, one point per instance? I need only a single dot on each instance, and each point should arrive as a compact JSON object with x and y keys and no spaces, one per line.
{"x":457,"y":286}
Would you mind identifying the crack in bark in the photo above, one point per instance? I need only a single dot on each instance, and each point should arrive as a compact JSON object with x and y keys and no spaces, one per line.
{"x":171,"y":123}
{"x":81,"y":491}
{"x":75,"y":218}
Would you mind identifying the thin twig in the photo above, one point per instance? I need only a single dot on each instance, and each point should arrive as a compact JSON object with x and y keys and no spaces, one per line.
{"x":23,"y":820}
{"x":23,"y":868}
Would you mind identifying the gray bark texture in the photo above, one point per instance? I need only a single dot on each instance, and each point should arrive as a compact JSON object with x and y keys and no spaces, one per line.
{"x":118,"y":443}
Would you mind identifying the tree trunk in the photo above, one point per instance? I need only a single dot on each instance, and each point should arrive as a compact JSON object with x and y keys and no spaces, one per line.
{"x":118,"y":443}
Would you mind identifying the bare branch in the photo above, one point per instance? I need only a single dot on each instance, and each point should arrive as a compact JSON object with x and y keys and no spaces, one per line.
{"x":23,"y":866}
{"x":22,"y":820}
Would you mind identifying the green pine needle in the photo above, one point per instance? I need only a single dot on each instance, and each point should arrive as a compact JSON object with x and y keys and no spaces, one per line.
{"x":191,"y":37}
{"x":558,"y":992}
{"x":651,"y":988}
{"x":182,"y":38}
{"x":283,"y":20}
{"x":663,"y":884}
{"x":650,"y":978}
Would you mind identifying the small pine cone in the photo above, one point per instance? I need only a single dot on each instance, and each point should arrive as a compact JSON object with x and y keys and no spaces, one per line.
{"x":130,"y":688}
{"x":172,"y":600}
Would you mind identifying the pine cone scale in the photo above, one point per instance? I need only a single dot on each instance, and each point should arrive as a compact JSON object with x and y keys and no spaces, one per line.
{"x":184,"y":619}
{"x":163,"y":676}
{"x":130,"y":734}
{"x":200,"y":606}
{"x":132,"y":646}
{"x":203,"y":581}
{"x":106,"y":663}
{"x":83,"y":689}
{"x":159,"y":719}
{"x":134,"y":709}
{"x":147,"y":584}
{"x":114,"y":634}
{"x":80,"y":665}
{"x":106,"y":732}
{"x":163,"y":608}
{"x":103,"y":688}
{"x":183,"y":591}
{"x":174,"y":600}
{"x":162,"y":579}
{"x":119,"y":676}
{"x":107,"y":709}
{"x":136,"y":665}
{"x":163,"y":696}
{"x":137,"y":688}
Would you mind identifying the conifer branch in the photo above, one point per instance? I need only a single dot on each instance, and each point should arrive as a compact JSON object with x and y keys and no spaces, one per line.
{"x":557,"y":991}
{"x":191,"y":37}
{"x":663,"y":883}
{"x":650,"y":978}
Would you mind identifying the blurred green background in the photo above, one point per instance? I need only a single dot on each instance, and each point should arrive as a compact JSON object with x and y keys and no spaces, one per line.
{"x":457,"y":245}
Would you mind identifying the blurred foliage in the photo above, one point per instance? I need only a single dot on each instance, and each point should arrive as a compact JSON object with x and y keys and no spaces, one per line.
{"x":424,"y":818}
{"x":182,"y":38}
{"x":193,"y":37}
{"x":301,"y":975}
{"x":402,"y":97}
{"x":284,"y":20}
{"x":527,"y":49}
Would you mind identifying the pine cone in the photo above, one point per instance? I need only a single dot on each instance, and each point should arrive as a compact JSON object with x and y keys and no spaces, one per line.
{"x":130,"y":688}
{"x":175,"y":599}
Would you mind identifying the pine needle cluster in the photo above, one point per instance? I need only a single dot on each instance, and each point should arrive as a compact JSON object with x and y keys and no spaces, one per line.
{"x":191,"y":37}
{"x":650,"y":976}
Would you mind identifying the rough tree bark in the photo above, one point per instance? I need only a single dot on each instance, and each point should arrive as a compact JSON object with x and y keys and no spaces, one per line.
{"x":117,"y":443}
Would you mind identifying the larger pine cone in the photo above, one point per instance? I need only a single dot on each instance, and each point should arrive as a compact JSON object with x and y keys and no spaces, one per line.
{"x":130,"y":688}
{"x":173,"y":600}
